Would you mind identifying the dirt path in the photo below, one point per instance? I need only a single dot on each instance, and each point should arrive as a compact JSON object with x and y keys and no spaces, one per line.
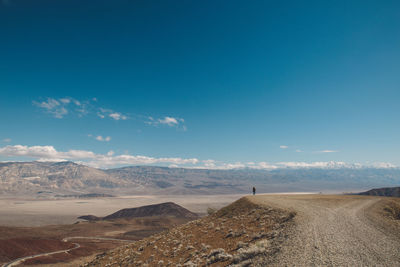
{"x":333,"y":231}
{"x":96,"y":238}
{"x":21,"y":260}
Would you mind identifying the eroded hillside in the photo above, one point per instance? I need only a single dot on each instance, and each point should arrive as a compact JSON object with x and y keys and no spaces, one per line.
{"x":240,"y":233}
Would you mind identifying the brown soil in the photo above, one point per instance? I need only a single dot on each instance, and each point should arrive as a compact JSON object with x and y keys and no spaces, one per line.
{"x":17,"y":242}
{"x":232,"y":235}
{"x":386,"y":214}
{"x":86,"y":249}
{"x":19,"y":247}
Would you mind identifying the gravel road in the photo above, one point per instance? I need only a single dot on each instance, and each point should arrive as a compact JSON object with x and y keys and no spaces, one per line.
{"x":21,"y":260}
{"x":334,"y":231}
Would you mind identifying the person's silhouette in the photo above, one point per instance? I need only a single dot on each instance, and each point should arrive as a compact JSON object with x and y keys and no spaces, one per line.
{"x":254,"y":190}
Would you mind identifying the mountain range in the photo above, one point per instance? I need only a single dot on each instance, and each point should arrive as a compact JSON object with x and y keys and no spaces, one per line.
{"x":49,"y":179}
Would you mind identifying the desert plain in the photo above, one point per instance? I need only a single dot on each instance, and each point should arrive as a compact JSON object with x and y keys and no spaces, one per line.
{"x":28,"y":212}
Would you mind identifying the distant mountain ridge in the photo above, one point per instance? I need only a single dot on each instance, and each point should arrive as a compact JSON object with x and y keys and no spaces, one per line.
{"x":68,"y":179}
{"x":163,"y":209}
{"x":385,"y":192}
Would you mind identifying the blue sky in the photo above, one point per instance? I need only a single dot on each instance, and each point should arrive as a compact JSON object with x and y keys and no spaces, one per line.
{"x":200,"y":83}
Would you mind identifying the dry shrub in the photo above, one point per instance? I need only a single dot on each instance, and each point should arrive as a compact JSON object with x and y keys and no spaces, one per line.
{"x":211,"y":211}
{"x":393,"y":210}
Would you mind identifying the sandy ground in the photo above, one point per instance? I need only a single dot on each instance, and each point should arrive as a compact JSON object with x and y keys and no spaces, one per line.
{"x":335,"y":231}
{"x":17,"y":212}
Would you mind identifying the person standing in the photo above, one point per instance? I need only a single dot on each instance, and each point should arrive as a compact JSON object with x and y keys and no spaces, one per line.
{"x":254,"y":190}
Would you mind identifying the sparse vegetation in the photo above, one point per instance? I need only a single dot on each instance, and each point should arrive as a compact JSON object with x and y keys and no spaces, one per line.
{"x":392,"y":209}
{"x":233,"y":236}
{"x":211,"y":211}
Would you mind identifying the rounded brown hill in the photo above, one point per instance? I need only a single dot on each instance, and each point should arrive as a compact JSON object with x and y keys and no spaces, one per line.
{"x":163,"y":209}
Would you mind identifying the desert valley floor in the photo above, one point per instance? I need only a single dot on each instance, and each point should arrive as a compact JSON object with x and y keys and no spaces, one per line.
{"x":270,"y":229}
{"x":27,"y":212}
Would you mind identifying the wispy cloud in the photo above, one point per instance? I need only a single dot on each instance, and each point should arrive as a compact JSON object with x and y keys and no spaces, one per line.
{"x":53,"y":106}
{"x":118,"y":116}
{"x":103,"y":139}
{"x":167,"y":121}
{"x":327,"y":151}
{"x":103,"y":113}
{"x":170,"y":121}
{"x":6,"y":140}
{"x":60,"y":107}
{"x":283,"y":147}
{"x":100,"y":138}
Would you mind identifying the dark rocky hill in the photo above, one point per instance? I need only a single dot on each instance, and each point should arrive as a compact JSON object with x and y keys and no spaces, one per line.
{"x":163,"y":209}
{"x":167,"y":209}
{"x":385,"y":192}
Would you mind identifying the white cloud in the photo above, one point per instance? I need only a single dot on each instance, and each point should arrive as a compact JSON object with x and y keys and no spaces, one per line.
{"x":298,"y":150}
{"x":49,"y":153}
{"x":101,"y":115}
{"x":229,"y":166}
{"x":329,"y":164}
{"x":7,"y":140}
{"x":284,"y":147}
{"x":382,"y":165}
{"x":65,"y":100}
{"x":68,"y":105}
{"x":168,"y":121}
{"x":216,"y":165}
{"x":117,"y":116}
{"x":209,"y":163}
{"x":173,"y":166}
{"x":100,"y":138}
{"x":103,"y":112}
{"x":103,"y":139}
{"x":328,"y":151}
{"x":52,"y":106}
{"x":111,"y":160}
{"x":62,"y":106}
{"x":108,"y":160}
{"x":265,"y":166}
{"x":50,"y":160}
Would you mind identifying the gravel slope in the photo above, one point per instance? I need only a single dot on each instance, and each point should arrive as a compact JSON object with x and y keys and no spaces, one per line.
{"x":334,"y":231}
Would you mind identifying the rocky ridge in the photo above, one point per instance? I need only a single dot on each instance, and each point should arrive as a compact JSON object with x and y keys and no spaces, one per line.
{"x":240,"y":234}
{"x":384,"y":192}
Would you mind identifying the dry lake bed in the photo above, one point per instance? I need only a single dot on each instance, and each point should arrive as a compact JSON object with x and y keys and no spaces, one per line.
{"x":25,"y":212}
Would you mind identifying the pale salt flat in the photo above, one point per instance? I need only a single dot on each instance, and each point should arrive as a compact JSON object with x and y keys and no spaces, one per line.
{"x":19,"y":212}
